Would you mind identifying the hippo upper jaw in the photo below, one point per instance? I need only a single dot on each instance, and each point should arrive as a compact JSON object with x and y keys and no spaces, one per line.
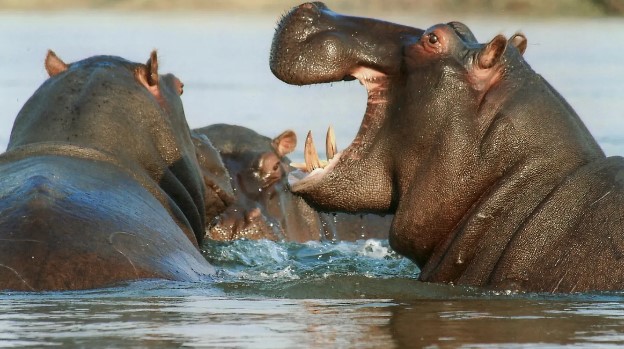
{"x":313,"y":44}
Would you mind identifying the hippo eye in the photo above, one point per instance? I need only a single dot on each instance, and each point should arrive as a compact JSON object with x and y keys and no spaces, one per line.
{"x":433,"y":39}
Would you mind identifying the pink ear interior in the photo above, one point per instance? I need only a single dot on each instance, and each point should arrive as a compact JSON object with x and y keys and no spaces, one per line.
{"x":53,"y":64}
{"x":147,"y":74}
{"x":519,"y":41}
{"x":492,"y":52}
{"x":285,"y":143}
{"x":152,"y":66}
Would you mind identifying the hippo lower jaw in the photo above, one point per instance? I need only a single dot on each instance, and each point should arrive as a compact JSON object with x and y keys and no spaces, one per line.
{"x":313,"y":45}
{"x":376,"y":84}
{"x":300,"y":181}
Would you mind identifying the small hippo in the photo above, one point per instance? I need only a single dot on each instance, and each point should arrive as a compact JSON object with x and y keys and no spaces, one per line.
{"x":100,"y":182}
{"x":493,"y":178}
{"x":264,"y":207}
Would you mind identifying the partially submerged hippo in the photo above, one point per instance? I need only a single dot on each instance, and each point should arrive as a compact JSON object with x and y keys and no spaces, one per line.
{"x":264,"y":207}
{"x":100,"y":182}
{"x":493,"y":178}
{"x":219,"y":193}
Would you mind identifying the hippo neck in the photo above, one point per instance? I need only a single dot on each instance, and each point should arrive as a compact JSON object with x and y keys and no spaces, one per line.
{"x":471,"y":254}
{"x":533,"y":120}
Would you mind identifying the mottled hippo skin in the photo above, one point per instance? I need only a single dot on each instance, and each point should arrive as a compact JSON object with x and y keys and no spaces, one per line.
{"x":264,"y":208}
{"x":493,"y":178}
{"x":100,"y":181}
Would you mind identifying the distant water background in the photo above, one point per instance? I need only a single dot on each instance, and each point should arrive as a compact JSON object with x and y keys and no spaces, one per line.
{"x":223,"y":61}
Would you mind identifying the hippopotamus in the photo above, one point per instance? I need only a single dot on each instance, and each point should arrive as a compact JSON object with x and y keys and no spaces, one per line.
{"x":219,"y":192}
{"x":264,"y":208}
{"x":494,"y":180}
{"x":100,"y":183}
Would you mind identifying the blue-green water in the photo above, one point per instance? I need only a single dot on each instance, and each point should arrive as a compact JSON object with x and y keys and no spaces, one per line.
{"x":281,"y":295}
{"x":285,"y":295}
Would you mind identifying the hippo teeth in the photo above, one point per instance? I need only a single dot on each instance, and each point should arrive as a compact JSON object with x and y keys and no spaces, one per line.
{"x":330,"y":143}
{"x":310,"y":154}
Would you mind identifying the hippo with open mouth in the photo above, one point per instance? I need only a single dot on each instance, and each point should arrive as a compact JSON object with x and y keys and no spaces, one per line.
{"x":493,"y":178}
{"x":100,"y":182}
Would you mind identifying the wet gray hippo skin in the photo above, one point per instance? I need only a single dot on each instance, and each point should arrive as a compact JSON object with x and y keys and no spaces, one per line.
{"x":493,"y":178}
{"x":100,"y":182}
{"x":219,"y":193}
{"x":264,"y":207}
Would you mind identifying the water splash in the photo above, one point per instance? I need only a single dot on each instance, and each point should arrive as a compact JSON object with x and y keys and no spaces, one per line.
{"x":310,"y":270}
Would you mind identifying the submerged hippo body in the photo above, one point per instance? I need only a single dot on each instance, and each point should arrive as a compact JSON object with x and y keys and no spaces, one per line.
{"x":264,"y":207}
{"x":100,"y":183}
{"x":493,"y":178}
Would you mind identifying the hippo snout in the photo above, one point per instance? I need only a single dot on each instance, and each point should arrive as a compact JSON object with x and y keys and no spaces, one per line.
{"x":313,"y":44}
{"x":301,"y":30}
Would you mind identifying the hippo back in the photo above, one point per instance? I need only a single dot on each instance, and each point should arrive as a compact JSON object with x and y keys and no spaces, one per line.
{"x":65,"y":224}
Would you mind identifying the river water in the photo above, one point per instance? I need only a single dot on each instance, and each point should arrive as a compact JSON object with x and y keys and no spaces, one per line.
{"x":284,"y":295}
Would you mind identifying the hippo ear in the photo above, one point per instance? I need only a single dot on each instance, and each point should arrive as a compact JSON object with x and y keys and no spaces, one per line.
{"x":492,"y":52}
{"x":53,"y":64}
{"x":285,"y":143}
{"x":152,"y":69}
{"x":147,"y":74}
{"x":519,"y":41}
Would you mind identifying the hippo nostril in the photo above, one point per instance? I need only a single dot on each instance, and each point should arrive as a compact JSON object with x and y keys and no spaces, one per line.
{"x":310,"y":10}
{"x":316,"y":5}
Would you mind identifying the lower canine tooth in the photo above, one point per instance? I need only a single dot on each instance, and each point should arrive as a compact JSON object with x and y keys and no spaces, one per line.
{"x":310,"y":155}
{"x":330,"y":143}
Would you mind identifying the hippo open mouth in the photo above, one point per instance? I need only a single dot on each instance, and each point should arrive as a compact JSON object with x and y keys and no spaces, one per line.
{"x":314,"y":45}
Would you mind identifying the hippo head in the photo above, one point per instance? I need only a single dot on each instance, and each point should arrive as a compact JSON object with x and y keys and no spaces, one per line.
{"x":263,"y":207}
{"x":253,"y":168}
{"x":430,"y":141}
{"x":96,"y":102}
{"x":396,"y":64}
